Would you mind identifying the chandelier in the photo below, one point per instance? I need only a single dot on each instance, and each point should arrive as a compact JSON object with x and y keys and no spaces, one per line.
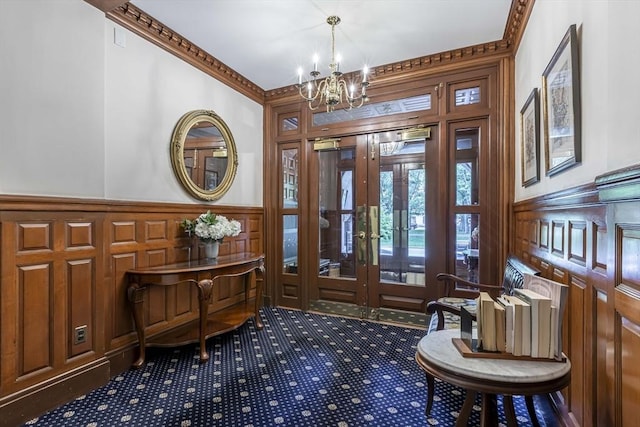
{"x":332,"y":90}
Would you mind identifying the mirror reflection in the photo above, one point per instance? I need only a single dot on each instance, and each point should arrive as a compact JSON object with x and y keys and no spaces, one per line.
{"x":203,"y":154}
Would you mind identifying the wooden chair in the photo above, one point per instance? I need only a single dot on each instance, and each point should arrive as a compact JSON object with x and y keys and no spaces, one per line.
{"x":445,"y":312}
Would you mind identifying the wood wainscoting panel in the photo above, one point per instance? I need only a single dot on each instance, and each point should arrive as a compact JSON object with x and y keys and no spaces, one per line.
{"x":629,"y":256}
{"x":579,"y":313}
{"x":81,"y":280}
{"x":64,"y":314}
{"x":558,"y":238}
{"x":80,"y":235}
{"x":121,"y":330}
{"x":600,"y":247}
{"x":123,"y":232}
{"x":155,"y":230}
{"x":630,"y":371}
{"x":35,"y":318}
{"x":572,"y":239}
{"x":578,"y":242}
{"x":627,"y":326}
{"x":544,"y":234}
{"x":35,"y":237}
{"x":599,"y":392}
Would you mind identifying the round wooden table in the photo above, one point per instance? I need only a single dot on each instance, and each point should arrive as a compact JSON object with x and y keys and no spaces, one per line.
{"x":439,"y":358}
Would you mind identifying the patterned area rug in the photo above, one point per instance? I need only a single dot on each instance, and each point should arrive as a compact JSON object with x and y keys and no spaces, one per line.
{"x":302,"y":369}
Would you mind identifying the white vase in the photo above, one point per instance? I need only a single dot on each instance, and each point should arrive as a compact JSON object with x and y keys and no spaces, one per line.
{"x":211,"y":249}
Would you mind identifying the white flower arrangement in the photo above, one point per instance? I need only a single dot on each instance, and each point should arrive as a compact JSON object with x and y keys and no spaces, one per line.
{"x":210,"y":227}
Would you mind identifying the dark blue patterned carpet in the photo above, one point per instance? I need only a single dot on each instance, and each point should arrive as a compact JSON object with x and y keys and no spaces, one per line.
{"x":302,"y":369}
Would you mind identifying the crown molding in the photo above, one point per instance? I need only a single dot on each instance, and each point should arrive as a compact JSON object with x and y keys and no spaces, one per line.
{"x":106,"y":5}
{"x":517,"y":22}
{"x":430,"y":62}
{"x":143,"y":24}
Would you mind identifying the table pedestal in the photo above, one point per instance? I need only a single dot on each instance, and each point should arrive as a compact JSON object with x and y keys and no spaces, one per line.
{"x":439,"y":358}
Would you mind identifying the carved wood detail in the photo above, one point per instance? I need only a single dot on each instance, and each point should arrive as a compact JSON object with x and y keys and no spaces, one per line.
{"x":141,"y":23}
{"x":159,"y":34}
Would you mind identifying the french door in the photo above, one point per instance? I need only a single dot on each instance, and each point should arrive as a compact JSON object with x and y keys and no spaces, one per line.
{"x":368,"y":205}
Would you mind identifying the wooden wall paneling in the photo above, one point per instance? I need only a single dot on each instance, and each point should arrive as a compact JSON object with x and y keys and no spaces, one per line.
{"x":62,"y":265}
{"x":81,"y":303}
{"x":121,"y":330}
{"x":558,"y":228}
{"x":35,"y":316}
{"x":601,"y":383}
{"x":570,"y":240}
{"x":577,"y":244}
{"x":576,"y":335}
{"x":544,"y":234}
{"x":627,"y":321}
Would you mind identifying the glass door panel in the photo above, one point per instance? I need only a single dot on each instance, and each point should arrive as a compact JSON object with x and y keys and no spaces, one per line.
{"x":402,"y":213}
{"x":371,"y":207}
{"x":467,"y":208}
{"x":337,"y":213}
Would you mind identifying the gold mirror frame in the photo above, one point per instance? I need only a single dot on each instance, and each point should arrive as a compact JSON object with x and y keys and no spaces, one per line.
{"x":178,"y":140}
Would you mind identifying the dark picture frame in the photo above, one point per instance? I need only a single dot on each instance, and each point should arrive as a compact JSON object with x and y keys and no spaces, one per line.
{"x":530,"y":139}
{"x":561,"y":106}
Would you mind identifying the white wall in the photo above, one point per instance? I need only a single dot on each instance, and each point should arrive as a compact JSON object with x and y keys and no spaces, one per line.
{"x":87,"y":118}
{"x":51,"y":98}
{"x":609,"y":60}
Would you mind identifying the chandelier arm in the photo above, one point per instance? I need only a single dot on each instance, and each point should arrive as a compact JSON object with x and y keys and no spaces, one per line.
{"x":333,"y":90}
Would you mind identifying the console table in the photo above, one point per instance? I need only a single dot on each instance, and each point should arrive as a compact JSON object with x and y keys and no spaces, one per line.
{"x":203,"y":274}
{"x":439,"y":358}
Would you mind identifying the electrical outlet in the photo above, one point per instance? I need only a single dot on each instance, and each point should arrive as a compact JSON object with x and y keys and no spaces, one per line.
{"x":80,"y":335}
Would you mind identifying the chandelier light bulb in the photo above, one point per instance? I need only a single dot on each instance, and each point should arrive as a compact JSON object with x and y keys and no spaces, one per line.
{"x":333,"y":90}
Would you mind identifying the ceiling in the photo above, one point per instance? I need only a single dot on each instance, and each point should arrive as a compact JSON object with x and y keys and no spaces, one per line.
{"x":266,"y":41}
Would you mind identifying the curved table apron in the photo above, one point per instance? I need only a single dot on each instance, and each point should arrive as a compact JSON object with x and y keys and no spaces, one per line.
{"x":201,"y":273}
{"x":439,"y":358}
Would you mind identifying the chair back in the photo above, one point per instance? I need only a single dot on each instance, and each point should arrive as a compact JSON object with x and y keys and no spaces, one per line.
{"x":514,"y":272}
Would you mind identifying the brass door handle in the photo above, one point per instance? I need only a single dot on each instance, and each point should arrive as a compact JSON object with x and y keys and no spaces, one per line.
{"x":362,"y":235}
{"x":374,"y":236}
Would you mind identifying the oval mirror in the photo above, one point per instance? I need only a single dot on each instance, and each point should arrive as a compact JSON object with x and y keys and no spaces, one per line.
{"x":203,"y":154}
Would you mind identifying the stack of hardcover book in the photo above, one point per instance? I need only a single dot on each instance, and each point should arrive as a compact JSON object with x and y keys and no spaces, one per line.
{"x":527,"y":323}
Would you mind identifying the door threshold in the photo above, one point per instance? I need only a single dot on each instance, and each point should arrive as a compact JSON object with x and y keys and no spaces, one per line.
{"x":383,"y":315}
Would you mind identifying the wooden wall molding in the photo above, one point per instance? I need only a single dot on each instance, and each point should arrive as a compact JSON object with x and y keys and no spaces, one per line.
{"x":619,"y":185}
{"x":517,"y":22}
{"x":146,"y":26}
{"x":143,"y":24}
{"x":589,"y":238}
{"x":63,"y":264}
{"x":407,"y":69}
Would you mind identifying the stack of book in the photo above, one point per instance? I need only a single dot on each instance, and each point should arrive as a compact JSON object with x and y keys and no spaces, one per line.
{"x":528,"y":323}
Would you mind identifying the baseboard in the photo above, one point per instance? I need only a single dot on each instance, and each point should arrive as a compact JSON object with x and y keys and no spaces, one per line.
{"x":20,"y":407}
{"x":122,"y":359}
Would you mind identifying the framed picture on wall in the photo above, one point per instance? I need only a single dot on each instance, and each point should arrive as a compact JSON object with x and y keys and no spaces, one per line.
{"x":561,"y":106}
{"x":530,"y":139}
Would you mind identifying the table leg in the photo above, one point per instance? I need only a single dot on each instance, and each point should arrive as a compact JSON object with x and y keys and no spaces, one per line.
{"x":204,"y":295}
{"x":489,"y":412}
{"x":465,"y":411}
{"x":532,"y":411}
{"x":135,"y":295}
{"x":509,"y":411}
{"x":430,"y":392}
{"x":259,"y":283}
